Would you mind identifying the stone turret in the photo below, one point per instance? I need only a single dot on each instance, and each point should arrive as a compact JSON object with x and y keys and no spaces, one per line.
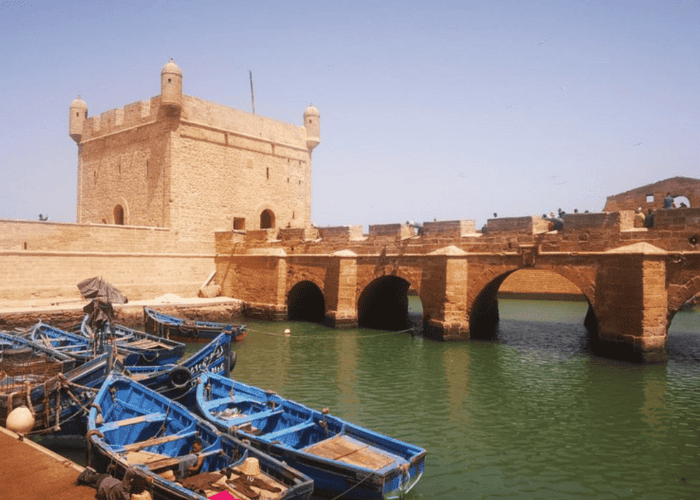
{"x":78,"y":115}
{"x":171,"y":86}
{"x":312,"y":122}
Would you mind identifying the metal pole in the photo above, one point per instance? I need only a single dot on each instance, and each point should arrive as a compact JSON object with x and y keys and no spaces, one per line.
{"x":252,"y":92}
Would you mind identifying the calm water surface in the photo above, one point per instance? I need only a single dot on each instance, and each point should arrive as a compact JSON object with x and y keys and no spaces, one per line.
{"x":532,"y":414}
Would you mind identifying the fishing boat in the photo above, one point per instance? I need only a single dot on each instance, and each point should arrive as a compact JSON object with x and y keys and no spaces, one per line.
{"x":179,"y":381}
{"x":164,"y":325}
{"x":151,"y":350}
{"x":64,"y":342}
{"x":343,"y":459}
{"x":56,"y":399}
{"x":131,"y":426}
{"x":130,"y":349}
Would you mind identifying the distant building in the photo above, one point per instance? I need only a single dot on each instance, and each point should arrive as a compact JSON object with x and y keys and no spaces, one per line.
{"x":652,"y":195}
{"x":191,"y":165}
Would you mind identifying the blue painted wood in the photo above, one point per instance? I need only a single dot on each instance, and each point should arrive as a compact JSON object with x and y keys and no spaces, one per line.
{"x":387,"y":468}
{"x":179,"y":381}
{"x":129,"y":417}
{"x":161,"y":351}
{"x":164,"y":325}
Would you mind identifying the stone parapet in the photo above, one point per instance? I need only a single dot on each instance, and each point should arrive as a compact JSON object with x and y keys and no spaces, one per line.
{"x":512,"y":225}
{"x":448,"y":229}
{"x":341,"y":233}
{"x":391,"y":231}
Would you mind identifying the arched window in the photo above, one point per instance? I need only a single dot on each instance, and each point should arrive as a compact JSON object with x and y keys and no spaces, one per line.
{"x":119,"y":215}
{"x":267,"y":219}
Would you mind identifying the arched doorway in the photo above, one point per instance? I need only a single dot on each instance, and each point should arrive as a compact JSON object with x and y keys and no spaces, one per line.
{"x":383,"y":304}
{"x":267,"y":219}
{"x":305,"y":302}
{"x":119,"y":215}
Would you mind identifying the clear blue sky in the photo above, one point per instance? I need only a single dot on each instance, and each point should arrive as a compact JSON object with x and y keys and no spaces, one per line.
{"x":429,"y":110}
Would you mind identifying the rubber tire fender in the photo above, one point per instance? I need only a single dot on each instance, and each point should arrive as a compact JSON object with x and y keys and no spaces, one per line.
{"x":179,"y":377}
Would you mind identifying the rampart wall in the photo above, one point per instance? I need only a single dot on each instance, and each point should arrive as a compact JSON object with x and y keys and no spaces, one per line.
{"x":47,"y":260}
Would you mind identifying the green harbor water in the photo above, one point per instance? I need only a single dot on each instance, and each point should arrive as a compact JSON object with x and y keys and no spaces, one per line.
{"x":533,"y":414}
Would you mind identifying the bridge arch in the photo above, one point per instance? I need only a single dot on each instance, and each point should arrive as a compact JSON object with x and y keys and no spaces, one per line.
{"x":483,"y":310}
{"x":383,"y":304}
{"x":680,"y":294}
{"x":305,"y":302}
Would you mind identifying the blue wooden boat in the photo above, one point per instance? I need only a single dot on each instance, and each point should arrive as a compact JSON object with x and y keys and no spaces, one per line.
{"x":151,"y":350}
{"x":64,"y":342}
{"x":172,"y":327}
{"x":343,"y":459}
{"x":59,"y":400}
{"x":179,"y":381}
{"x":131,"y":426}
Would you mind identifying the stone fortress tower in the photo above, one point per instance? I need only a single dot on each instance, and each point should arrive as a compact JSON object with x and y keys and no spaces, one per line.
{"x":192,"y":166}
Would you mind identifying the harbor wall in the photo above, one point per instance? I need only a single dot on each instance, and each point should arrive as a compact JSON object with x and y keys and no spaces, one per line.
{"x":43,"y":260}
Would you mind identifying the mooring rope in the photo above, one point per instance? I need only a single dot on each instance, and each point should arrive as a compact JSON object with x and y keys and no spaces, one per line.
{"x":330,"y":334}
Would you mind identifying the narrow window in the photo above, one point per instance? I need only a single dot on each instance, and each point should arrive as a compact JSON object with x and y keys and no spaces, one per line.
{"x":119,"y":215}
{"x":268,"y":173}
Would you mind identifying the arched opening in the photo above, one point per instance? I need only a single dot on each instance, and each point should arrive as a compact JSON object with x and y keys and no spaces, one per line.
{"x":383,"y":304}
{"x":535,"y":301}
{"x":267,"y":219}
{"x":681,"y":202}
{"x":683,"y":339}
{"x":119,"y":215}
{"x":305,"y":302}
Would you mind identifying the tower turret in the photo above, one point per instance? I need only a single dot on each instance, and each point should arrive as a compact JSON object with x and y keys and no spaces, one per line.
{"x":76,"y":120}
{"x":312,"y":122}
{"x":171,"y":85}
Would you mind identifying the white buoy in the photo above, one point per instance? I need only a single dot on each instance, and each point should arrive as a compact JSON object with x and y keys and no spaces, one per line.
{"x":20,"y":420}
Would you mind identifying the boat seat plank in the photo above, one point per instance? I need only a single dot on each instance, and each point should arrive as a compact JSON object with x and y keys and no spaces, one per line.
{"x":254,"y":416}
{"x":154,"y":441}
{"x":165,"y":462}
{"x":212,"y":403}
{"x":149,"y":417}
{"x":345,"y":450}
{"x":289,"y":430}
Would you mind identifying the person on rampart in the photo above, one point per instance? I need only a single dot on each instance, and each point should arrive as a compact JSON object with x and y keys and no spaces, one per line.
{"x":668,"y":200}
{"x":639,"y":218}
{"x":555,"y":223}
{"x":649,"y":219}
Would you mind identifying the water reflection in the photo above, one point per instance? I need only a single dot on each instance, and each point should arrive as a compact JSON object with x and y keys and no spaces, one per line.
{"x":532,"y":414}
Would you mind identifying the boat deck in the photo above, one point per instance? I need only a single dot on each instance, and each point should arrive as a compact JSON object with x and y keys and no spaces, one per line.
{"x":29,"y":471}
{"x":350,"y":451}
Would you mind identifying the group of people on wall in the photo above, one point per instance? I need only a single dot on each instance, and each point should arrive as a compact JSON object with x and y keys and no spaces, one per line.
{"x":647,"y":220}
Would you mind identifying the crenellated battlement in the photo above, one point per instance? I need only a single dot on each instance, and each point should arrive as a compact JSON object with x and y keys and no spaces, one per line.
{"x":674,"y":230}
{"x":115,"y":120}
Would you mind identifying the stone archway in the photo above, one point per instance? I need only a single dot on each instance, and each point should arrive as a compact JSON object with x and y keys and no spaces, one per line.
{"x":267,"y":219}
{"x":305,"y":302}
{"x":537,"y":284}
{"x":383,"y":304}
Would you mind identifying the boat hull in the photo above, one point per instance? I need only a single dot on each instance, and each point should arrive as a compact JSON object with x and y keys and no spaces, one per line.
{"x":132,"y":426}
{"x":172,"y":327}
{"x":339,"y":456}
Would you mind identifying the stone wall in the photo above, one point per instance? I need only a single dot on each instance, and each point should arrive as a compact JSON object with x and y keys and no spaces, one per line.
{"x":205,"y":168}
{"x":652,"y":195}
{"x":47,"y":260}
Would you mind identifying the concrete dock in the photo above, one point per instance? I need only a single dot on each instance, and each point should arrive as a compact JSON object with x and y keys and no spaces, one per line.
{"x":29,"y":471}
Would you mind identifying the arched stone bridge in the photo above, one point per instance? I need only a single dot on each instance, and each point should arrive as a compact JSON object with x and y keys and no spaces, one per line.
{"x":634,"y":279}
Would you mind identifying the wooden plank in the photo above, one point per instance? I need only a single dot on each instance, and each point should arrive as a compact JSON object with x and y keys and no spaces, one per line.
{"x":344,"y":450}
{"x":141,"y":418}
{"x":153,"y":441}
